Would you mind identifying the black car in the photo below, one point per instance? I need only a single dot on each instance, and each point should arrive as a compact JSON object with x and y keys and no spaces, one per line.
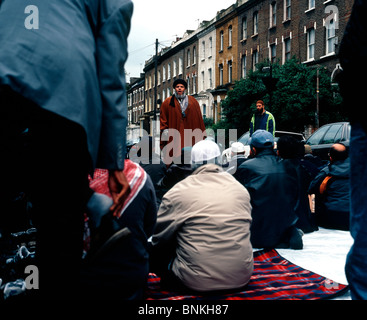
{"x":226,"y":154}
{"x":324,"y":137}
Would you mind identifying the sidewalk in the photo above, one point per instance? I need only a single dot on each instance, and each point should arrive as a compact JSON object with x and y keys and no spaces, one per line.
{"x":324,"y":252}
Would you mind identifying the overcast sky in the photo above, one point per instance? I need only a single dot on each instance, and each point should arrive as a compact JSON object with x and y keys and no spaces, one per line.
{"x":164,"y":20}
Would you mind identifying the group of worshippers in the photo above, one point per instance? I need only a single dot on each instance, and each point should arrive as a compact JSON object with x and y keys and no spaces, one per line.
{"x":205,"y":220}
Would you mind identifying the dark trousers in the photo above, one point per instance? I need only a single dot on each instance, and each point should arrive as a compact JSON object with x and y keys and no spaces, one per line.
{"x":44,"y":157}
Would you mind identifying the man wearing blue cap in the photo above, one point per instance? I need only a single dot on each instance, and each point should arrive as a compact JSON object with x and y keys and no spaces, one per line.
{"x":273,"y":190}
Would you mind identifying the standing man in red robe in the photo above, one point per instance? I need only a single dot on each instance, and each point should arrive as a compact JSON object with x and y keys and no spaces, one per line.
{"x":181,"y":122}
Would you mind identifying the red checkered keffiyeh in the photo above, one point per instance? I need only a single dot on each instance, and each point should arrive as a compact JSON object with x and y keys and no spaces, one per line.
{"x":135,"y":175}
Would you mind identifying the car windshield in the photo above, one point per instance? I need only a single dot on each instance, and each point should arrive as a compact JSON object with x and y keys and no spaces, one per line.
{"x":316,"y":137}
{"x":333,"y":134}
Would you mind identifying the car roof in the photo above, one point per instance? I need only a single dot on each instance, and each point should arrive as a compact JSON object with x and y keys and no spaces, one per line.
{"x":288,"y":133}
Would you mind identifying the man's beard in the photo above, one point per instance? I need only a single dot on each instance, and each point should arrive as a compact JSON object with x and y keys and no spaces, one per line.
{"x":180,"y":96}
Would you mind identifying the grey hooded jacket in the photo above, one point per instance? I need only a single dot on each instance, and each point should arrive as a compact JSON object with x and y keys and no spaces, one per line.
{"x":68,"y":57}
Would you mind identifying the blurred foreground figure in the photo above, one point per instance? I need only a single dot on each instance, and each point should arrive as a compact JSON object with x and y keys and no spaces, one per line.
{"x":353,"y":53}
{"x":63,"y":112}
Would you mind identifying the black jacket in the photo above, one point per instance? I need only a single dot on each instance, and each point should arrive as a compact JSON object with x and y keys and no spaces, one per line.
{"x":274,"y":192}
{"x":332,"y":206}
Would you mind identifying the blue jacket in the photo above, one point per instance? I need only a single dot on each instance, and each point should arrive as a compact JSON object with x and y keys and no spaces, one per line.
{"x":71,"y":63}
{"x":265,"y":121}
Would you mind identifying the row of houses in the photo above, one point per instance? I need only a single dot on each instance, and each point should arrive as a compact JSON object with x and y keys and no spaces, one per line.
{"x":221,"y":51}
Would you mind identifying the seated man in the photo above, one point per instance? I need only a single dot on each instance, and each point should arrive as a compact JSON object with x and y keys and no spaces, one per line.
{"x":238,"y":156}
{"x":331,"y":189}
{"x":292,"y":151}
{"x":207,"y":217}
{"x":274,"y":193}
{"x":117,"y":264}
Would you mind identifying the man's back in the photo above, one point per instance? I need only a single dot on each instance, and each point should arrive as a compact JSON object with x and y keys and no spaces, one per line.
{"x":212,"y":218}
{"x":332,"y":190}
{"x":273,"y":194}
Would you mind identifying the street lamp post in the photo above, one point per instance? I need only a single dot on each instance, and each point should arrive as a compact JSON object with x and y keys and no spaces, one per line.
{"x":270,"y":83}
{"x":317,"y":99}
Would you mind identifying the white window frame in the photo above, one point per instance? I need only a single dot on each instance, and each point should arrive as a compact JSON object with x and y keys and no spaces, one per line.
{"x":221,"y":74}
{"x":273,"y":14}
{"x":311,"y":4}
{"x":244,"y":28}
{"x":255,"y":59}
{"x":311,"y":34}
{"x":287,"y":10}
{"x":221,"y":41}
{"x":243,"y":66}
{"x":230,"y":31}
{"x":210,"y":77}
{"x":330,"y":37}
{"x":210,"y":47}
{"x":285,"y":52}
{"x":230,"y":71}
{"x":255,"y":28}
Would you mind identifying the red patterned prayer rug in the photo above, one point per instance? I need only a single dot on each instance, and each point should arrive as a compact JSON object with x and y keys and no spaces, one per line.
{"x":274,"y":278}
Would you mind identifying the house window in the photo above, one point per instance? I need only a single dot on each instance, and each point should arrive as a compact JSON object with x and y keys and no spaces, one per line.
{"x":174,"y":68}
{"x":203,"y":50}
{"x":194,"y":55}
{"x":159,"y":76}
{"x":220,"y":74}
{"x":204,"y":110}
{"x":287,"y":10}
{"x":273,"y":14}
{"x":202,"y":81}
{"x":221,"y":40}
{"x":287,"y":49}
{"x":164,"y":73}
{"x":255,"y":59}
{"x":210,"y":46}
{"x":194,"y":84}
{"x":244,"y":28}
{"x":188,"y":85}
{"x":230,"y":71}
{"x":311,"y":4}
{"x":330,"y":37}
{"x":210,"y":78}
{"x":256,"y":22}
{"x":273,"y":53}
{"x":310,"y":44}
{"x":243,"y":66}
{"x":180,"y":65}
{"x":169,"y":72}
{"x":188,"y":58}
{"x":230,"y":36}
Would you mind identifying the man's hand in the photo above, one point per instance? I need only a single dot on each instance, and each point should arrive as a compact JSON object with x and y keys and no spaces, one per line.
{"x":119,"y":188}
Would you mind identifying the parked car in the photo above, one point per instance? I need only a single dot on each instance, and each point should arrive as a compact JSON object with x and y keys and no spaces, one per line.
{"x":324,"y":137}
{"x":226,"y":154}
